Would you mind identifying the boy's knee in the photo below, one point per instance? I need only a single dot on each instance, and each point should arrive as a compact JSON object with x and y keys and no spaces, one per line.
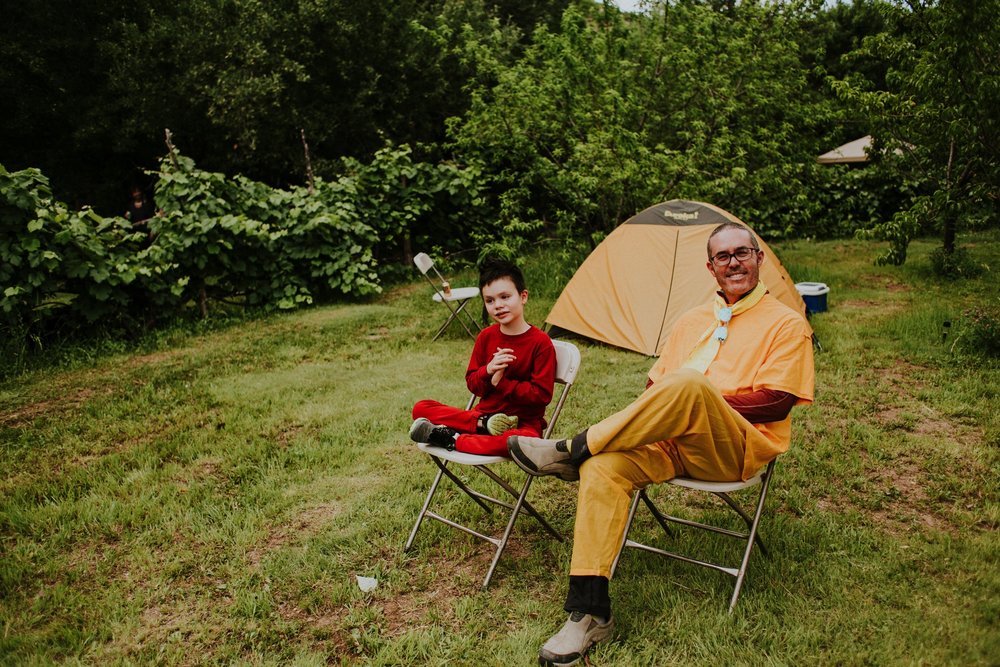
{"x":420,"y":408}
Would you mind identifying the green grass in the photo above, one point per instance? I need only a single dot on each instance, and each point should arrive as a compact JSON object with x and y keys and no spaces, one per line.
{"x":212,"y":496}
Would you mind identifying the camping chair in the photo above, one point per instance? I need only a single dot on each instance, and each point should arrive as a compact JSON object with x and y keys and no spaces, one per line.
{"x":722,"y":490}
{"x":455,"y":299}
{"x":567,"y":365}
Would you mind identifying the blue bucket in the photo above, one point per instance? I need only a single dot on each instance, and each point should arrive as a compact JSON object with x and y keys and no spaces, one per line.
{"x":814,"y":294}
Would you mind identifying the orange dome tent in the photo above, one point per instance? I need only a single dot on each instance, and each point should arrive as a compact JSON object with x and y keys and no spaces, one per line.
{"x":632,"y":288}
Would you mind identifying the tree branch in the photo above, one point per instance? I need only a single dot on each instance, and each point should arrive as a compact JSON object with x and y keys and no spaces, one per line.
{"x":170,"y":147}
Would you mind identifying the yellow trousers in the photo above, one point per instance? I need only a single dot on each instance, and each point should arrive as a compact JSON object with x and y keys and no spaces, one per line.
{"x":681,"y":425}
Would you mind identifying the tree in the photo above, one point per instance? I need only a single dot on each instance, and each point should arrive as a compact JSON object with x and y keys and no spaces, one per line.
{"x":57,"y":113}
{"x":935,"y":118}
{"x":614,"y":113}
{"x":87,"y":87}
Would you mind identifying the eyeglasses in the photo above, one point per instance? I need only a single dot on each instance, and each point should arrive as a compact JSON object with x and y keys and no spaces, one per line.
{"x":741,"y":255}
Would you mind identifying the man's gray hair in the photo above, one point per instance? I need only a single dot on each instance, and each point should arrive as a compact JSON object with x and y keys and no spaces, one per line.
{"x":731,"y":225}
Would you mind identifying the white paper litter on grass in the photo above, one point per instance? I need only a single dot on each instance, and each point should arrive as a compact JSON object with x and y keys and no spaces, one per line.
{"x":366,"y":583}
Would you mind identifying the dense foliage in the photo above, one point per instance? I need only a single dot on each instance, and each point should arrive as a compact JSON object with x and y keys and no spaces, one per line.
{"x":88,"y":87}
{"x":337,"y":139}
{"x":216,"y":239}
{"x":935,"y":116}
{"x":609,"y":116}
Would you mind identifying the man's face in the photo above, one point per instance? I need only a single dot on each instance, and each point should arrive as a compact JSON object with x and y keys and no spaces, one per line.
{"x":735,"y":277}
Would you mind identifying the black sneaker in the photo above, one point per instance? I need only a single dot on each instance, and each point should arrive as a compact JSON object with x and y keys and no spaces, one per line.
{"x":422,"y":430}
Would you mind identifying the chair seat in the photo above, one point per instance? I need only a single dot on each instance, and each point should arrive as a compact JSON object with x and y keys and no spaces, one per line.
{"x":457,"y":294}
{"x":715,"y":487}
{"x":462,"y":458}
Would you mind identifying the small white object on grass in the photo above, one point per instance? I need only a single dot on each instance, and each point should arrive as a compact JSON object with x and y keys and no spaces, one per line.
{"x":366,"y":583}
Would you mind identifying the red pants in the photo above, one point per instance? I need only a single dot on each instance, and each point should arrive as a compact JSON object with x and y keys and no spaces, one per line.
{"x":465,"y":422}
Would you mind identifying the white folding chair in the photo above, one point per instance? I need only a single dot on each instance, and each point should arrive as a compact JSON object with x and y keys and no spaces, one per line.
{"x":456,"y":299}
{"x":567,"y":365}
{"x":722,"y":490}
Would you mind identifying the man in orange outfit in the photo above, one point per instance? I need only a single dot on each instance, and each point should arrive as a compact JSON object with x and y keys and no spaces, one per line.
{"x":717,"y":408}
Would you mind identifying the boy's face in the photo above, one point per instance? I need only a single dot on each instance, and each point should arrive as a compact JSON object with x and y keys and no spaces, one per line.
{"x":503,"y":302}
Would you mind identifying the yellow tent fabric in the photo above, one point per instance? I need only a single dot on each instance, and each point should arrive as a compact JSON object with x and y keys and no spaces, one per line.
{"x":632,"y":288}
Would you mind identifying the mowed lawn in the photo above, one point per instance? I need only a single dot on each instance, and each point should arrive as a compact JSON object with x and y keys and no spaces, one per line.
{"x":212,"y":497}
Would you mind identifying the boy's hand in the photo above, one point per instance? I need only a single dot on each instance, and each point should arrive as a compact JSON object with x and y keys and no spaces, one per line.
{"x":502,"y":358}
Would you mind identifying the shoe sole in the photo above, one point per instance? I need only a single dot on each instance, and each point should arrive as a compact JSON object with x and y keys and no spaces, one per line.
{"x":420,"y":430}
{"x":528,"y":466}
{"x":599,"y":634}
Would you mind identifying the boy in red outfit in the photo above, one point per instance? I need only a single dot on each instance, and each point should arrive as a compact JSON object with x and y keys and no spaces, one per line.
{"x":512,"y":371}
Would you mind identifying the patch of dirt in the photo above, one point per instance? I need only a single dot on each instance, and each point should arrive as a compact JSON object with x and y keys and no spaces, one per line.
{"x":203,"y":468}
{"x":888,"y":283}
{"x":25,"y":415}
{"x":155,"y":358}
{"x":907,"y":412}
{"x":905,"y":483}
{"x":161,"y":620}
{"x":926,"y":422}
{"x":146,"y":437}
{"x":869,"y":306}
{"x":325,"y":629}
{"x":899,"y":489}
{"x":72,"y":390}
{"x":305,"y":523}
{"x":896,"y":494}
{"x":408,"y":610}
{"x":902,"y":375}
{"x":893,"y":286}
{"x":284,"y":436}
{"x":378,"y":334}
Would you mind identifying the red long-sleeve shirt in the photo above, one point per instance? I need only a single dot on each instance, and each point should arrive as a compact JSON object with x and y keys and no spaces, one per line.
{"x":526,"y":387}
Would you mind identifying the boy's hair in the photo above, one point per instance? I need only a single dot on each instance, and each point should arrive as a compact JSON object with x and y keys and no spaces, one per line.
{"x":495,"y":269}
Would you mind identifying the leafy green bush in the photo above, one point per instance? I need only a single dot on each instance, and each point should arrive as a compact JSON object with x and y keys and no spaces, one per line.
{"x":956,"y":264}
{"x":979,"y":331}
{"x":236,"y":239}
{"x":611,"y":115}
{"x":230,"y":240}
{"x":53,"y":258}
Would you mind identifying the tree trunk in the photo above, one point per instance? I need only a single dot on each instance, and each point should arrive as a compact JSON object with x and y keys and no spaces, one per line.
{"x":950,"y":223}
{"x":310,"y":180}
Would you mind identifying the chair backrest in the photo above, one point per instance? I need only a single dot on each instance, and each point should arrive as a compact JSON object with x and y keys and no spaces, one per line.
{"x":567,"y":365}
{"x":423,"y":262}
{"x":567,"y":361}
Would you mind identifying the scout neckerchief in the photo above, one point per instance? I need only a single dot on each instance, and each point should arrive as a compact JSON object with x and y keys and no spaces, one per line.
{"x":708,"y":345}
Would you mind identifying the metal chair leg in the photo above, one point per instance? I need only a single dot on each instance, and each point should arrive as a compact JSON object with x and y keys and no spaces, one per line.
{"x":750,"y":538}
{"x":455,"y":317}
